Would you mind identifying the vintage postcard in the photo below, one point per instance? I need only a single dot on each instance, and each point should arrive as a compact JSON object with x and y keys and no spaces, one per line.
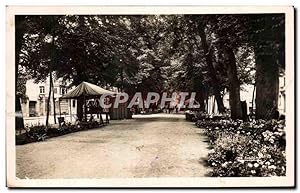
{"x":150,"y":96}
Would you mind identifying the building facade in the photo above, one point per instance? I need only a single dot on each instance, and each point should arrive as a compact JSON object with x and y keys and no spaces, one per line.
{"x":38,"y":95}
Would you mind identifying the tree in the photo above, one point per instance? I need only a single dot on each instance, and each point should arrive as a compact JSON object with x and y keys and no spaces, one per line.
{"x":233,"y":84}
{"x":228,"y":31}
{"x":210,"y":67}
{"x":267,"y":36}
{"x":188,"y":66}
{"x":48,"y":101}
{"x":206,"y":54}
{"x":38,"y":52}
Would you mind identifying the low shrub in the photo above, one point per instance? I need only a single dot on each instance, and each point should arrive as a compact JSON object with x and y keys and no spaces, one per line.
{"x":198,"y":115}
{"x":36,"y":133}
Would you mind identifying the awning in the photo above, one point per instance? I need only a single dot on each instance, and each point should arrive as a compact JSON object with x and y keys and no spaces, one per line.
{"x":88,"y":90}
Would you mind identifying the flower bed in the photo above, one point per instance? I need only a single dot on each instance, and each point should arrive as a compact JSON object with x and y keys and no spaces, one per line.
{"x":240,"y":148}
{"x":36,"y":133}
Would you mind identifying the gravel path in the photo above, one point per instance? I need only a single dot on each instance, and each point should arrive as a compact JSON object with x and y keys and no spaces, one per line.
{"x":158,"y":145}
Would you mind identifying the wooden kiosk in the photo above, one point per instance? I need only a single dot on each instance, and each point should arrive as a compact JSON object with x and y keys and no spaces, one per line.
{"x":87,"y":91}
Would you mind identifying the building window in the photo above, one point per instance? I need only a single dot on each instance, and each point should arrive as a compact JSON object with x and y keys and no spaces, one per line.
{"x":63,"y":90}
{"x":55,"y":90}
{"x":42,"y":90}
{"x":74,"y":103}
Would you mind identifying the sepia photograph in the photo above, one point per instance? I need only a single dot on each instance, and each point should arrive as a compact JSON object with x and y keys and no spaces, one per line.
{"x":150,"y":96}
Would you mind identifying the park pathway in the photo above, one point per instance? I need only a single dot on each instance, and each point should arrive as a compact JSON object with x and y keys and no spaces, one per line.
{"x":159,"y":145}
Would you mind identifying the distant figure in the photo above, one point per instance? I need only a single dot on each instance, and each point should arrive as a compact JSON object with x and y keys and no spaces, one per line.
{"x":91,"y":118}
{"x":168,"y":108}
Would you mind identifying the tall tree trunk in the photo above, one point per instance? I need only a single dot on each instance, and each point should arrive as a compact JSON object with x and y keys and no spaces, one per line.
{"x":213,"y":106}
{"x":200,"y":94}
{"x":253,"y":93}
{"x":269,"y":56}
{"x":206,"y":99}
{"x":48,"y":102}
{"x":19,"y":114}
{"x":211,"y":69}
{"x":233,"y":85}
{"x":53,"y":99}
{"x":20,"y":30}
{"x":267,"y":84}
{"x":54,"y":63}
{"x":201,"y":101}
